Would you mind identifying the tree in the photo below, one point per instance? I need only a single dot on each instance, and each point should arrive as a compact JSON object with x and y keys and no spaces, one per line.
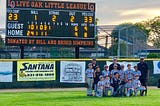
{"x":2,"y":45}
{"x":152,"y":29}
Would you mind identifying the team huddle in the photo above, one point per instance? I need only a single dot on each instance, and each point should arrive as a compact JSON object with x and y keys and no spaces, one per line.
{"x":113,"y":81}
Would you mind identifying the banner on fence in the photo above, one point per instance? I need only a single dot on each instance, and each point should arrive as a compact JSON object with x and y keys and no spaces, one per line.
{"x":72,"y":72}
{"x":36,"y":70}
{"x":156,"y":67}
{"x":6,"y":71}
{"x":124,"y":63}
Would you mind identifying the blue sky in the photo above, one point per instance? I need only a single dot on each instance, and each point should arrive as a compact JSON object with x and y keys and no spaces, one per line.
{"x":112,"y":11}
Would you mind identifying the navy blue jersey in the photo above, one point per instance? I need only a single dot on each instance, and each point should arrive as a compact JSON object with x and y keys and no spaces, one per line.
{"x":96,"y":78}
{"x":94,"y":66}
{"x":143,"y":67}
{"x":115,"y":83}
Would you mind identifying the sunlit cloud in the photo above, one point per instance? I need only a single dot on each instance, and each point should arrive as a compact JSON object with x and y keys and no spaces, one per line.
{"x":141,"y":11}
{"x":137,"y":15}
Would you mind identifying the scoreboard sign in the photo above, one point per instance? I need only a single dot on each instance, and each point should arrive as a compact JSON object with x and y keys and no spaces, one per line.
{"x":50,"y":23}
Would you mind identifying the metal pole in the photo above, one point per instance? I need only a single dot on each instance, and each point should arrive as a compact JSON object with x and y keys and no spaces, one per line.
{"x":127,"y":42}
{"x":22,"y":52}
{"x":76,"y":52}
{"x":133,"y":42}
{"x":118,"y":51}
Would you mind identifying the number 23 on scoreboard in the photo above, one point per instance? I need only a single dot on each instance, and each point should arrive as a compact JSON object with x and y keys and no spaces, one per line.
{"x":12,"y":17}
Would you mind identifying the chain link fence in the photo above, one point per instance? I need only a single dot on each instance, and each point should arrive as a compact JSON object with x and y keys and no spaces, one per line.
{"x":111,"y":41}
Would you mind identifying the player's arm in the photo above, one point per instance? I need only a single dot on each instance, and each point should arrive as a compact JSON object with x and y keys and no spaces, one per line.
{"x":86,"y":78}
{"x":94,"y":74}
{"x":125,"y":77}
{"x":132,"y":75}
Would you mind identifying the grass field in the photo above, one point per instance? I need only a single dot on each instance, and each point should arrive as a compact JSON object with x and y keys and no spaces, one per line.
{"x":75,"y":98}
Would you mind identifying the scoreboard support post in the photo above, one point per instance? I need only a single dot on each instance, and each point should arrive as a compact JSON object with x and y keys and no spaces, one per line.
{"x":22,"y":52}
{"x":76,"y":52}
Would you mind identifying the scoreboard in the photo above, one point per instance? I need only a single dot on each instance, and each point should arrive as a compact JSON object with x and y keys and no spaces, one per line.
{"x":50,"y":23}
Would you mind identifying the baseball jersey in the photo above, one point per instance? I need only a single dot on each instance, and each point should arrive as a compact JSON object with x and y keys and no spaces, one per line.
{"x":137,"y":73}
{"x":113,"y":71}
{"x":105,"y":73}
{"x":137,"y":83}
{"x":129,"y":74}
{"x":107,"y":83}
{"x":89,"y":73}
{"x":100,"y":84}
{"x":129,"y":85}
{"x":121,"y":73}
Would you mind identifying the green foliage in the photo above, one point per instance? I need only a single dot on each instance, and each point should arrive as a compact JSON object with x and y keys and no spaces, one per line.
{"x":113,"y":49}
{"x":75,"y":98}
{"x":2,"y":45}
{"x":60,"y":52}
{"x":152,"y":29}
{"x":123,"y":48}
{"x":153,"y":55}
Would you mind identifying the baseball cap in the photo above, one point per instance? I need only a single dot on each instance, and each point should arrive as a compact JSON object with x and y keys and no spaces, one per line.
{"x":89,"y":64}
{"x":97,"y":67}
{"x":100,"y":76}
{"x":122,"y":65}
{"x":114,"y":59}
{"x":105,"y":66}
{"x":94,"y":59}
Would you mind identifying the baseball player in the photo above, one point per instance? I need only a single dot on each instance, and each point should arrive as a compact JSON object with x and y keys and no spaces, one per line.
{"x":106,"y":72}
{"x":129,"y":87}
{"x":129,"y":73}
{"x":97,"y":74}
{"x":138,"y":86}
{"x":100,"y":87}
{"x":136,"y":72}
{"x":108,"y":87}
{"x":89,"y":79}
{"x":115,"y":69}
{"x":116,"y":84}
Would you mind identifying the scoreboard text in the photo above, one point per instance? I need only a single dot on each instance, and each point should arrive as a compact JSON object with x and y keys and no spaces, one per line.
{"x":31,"y":22}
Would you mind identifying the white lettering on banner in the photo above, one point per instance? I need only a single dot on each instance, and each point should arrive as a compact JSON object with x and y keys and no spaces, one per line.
{"x":156,"y":67}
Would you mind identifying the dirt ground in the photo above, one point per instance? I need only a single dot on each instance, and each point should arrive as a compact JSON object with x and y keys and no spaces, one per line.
{"x":51,"y":89}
